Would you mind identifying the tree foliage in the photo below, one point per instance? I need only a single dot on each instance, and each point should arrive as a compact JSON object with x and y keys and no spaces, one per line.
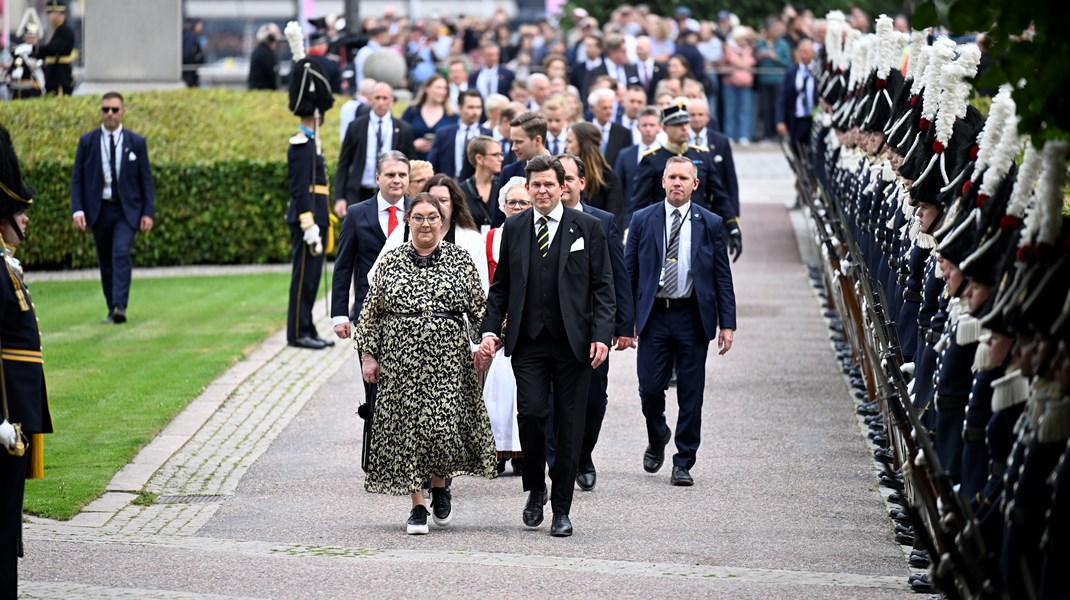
{"x":1039,"y":67}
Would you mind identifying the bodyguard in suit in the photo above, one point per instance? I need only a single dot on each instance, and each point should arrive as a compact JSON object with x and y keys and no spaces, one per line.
{"x":615,"y":137}
{"x":26,"y":401}
{"x":710,"y":194}
{"x":627,"y":165}
{"x":112,"y":194}
{"x":308,"y":210}
{"x":367,"y":138}
{"x":492,"y":77}
{"x":555,"y":282}
{"x":448,"y":153}
{"x":681,"y":283}
{"x":364,"y":231}
{"x":624,"y":321}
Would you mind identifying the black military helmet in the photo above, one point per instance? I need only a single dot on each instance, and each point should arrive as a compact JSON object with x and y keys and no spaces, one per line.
{"x":15,"y":196}
{"x":310,"y":90}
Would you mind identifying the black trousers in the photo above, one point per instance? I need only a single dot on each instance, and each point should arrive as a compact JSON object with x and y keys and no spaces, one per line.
{"x":12,"y":487}
{"x":597,"y":401}
{"x":114,"y":240}
{"x":304,"y":280}
{"x":538,"y":363}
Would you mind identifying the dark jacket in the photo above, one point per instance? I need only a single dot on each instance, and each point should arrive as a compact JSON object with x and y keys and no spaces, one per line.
{"x":352,"y":157}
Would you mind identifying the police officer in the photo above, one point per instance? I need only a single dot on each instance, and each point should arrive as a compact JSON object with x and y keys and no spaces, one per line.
{"x":711,"y":193}
{"x":308,"y":213}
{"x":59,"y":53}
{"x":24,"y":405}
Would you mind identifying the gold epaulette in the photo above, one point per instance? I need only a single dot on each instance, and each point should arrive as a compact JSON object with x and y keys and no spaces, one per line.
{"x":699,"y":148}
{"x":654,"y":149}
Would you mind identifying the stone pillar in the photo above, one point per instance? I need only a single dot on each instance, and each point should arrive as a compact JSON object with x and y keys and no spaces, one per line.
{"x":131,"y":46}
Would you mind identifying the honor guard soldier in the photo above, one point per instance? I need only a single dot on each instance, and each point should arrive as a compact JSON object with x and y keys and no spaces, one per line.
{"x":710,"y":194}
{"x":24,"y":414}
{"x":308,"y":213}
{"x":59,"y":53}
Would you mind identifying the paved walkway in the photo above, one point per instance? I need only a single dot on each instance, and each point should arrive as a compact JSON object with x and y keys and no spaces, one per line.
{"x":259,"y":493}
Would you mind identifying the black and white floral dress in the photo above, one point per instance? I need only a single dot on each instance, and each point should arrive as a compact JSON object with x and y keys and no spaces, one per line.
{"x":430,"y":418}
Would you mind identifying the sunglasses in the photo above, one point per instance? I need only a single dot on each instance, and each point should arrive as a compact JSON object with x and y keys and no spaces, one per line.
{"x":110,"y":109}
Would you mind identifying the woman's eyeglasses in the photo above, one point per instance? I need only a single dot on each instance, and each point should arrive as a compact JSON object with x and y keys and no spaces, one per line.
{"x":430,"y":219}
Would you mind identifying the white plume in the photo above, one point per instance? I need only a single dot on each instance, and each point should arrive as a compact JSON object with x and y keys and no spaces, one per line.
{"x":955,"y":96}
{"x":296,"y":39}
{"x":942,"y":53}
{"x":1028,"y":173}
{"x":1050,"y":190}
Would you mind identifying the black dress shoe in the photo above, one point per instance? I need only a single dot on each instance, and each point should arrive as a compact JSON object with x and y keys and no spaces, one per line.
{"x":307,"y":342}
{"x":681,"y":476}
{"x":118,"y":315}
{"x":533,"y":509}
{"x":110,"y":319}
{"x":327,"y":343}
{"x":586,"y":479}
{"x":561,"y":526}
{"x":654,"y":456}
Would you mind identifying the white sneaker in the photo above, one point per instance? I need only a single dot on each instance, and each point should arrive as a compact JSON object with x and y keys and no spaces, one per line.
{"x":417,"y":523}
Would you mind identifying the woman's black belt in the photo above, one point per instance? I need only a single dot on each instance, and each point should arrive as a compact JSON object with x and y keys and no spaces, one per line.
{"x":456,"y":316}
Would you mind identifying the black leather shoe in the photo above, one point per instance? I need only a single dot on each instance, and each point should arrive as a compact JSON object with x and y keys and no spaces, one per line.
{"x":118,"y":315}
{"x":681,"y":476}
{"x":654,"y":456}
{"x":110,"y":319}
{"x":327,"y":343}
{"x":310,"y":343}
{"x":533,"y":509}
{"x":586,"y":477}
{"x":561,"y":526}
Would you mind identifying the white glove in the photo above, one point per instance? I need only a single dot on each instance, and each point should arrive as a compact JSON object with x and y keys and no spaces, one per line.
{"x":312,"y":238}
{"x":7,"y":435}
{"x":24,"y":50}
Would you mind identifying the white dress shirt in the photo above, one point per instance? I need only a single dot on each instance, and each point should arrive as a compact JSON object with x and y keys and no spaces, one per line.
{"x":368,"y":179}
{"x":346,"y":114}
{"x":698,"y":138}
{"x":105,"y":156}
{"x":465,"y":133}
{"x":554,"y":220}
{"x":562,"y":146}
{"x":804,"y":91}
{"x":384,"y":213}
{"x":487,"y":81}
{"x":683,"y":256}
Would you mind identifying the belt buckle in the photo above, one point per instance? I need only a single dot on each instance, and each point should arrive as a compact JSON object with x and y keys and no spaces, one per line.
{"x":427,"y":313}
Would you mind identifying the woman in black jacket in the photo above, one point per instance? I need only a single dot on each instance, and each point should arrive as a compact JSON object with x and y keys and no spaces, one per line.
{"x":603,"y":185}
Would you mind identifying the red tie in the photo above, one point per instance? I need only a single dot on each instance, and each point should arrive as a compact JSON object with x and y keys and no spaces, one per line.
{"x":392,"y":220}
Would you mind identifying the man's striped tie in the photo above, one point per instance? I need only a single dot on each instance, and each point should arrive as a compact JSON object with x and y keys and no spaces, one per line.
{"x":669,"y":276}
{"x":542,"y":236}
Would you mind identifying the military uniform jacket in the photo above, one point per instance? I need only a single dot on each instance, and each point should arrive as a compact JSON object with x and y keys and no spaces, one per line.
{"x":20,"y":350}
{"x":711,"y":193}
{"x":58,"y":55}
{"x":308,"y":182}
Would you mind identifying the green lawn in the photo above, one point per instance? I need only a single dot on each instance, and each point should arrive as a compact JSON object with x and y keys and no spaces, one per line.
{"x":112,"y":388}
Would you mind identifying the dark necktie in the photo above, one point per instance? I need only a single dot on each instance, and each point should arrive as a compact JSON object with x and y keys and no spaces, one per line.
{"x":669,"y":276}
{"x":542,"y":236}
{"x":378,"y":138}
{"x":553,"y":146}
{"x":113,"y":164}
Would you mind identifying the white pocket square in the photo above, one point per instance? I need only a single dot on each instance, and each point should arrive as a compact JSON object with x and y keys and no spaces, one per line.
{"x":718,"y":158}
{"x":576,"y":246}
{"x":132,"y":157}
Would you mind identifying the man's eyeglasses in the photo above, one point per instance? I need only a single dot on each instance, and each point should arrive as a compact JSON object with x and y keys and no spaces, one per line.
{"x":430,"y":219}
{"x":518,"y":203}
{"x":110,"y":109}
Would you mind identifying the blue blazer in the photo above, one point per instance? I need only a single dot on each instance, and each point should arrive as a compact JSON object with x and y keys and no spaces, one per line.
{"x":710,"y":270}
{"x":442,"y":157}
{"x":624,"y":322}
{"x":626,"y":167}
{"x":359,"y":244}
{"x":137,"y":193}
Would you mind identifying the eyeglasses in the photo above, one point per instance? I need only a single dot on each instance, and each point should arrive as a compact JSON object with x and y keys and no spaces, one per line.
{"x":110,"y":109}
{"x":518,"y":203}
{"x":430,"y":219}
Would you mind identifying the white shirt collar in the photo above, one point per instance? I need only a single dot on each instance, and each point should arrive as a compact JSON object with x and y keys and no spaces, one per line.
{"x":384,"y":205}
{"x":669,"y":208}
{"x":555,"y":214}
{"x":118,"y":130}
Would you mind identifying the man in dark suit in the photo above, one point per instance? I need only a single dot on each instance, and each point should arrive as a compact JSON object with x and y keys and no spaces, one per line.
{"x":367,"y":137}
{"x":592,"y":46}
{"x":615,"y":63}
{"x":58,"y":53}
{"x":615,"y":137}
{"x":624,"y":322}
{"x":448,"y":153}
{"x":25,"y":396}
{"x":681,"y":283}
{"x":492,"y":77}
{"x":113,"y":195}
{"x":650,"y":72}
{"x":798,"y":97}
{"x":627,"y":165}
{"x":704,"y":135}
{"x":555,"y":282}
{"x":527,"y":132}
{"x":366,"y":226}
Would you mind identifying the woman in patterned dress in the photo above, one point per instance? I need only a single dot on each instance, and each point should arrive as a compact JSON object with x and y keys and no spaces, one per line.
{"x":430,"y":420}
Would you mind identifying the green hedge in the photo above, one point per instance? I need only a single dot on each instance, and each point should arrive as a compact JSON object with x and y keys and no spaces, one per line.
{"x":219,"y":164}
